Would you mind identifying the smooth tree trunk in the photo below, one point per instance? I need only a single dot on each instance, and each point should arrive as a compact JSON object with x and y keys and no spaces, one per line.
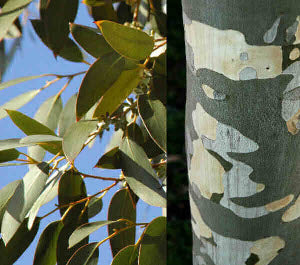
{"x":242,"y":130}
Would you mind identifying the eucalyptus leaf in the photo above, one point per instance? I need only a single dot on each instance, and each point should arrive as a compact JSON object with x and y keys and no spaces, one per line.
{"x":67,"y":116}
{"x":105,"y":11}
{"x":86,"y":255}
{"x":11,"y":143}
{"x":129,"y":42}
{"x":9,"y":155}
{"x":110,"y":160}
{"x":18,"y":102}
{"x":127,"y":256}
{"x":40,"y":139}
{"x":94,"y":207}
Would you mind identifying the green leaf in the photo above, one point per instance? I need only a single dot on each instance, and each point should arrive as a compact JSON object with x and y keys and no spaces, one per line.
{"x":11,"y":143}
{"x":10,"y":252}
{"x":40,"y":139}
{"x":105,"y":11}
{"x":18,"y":102}
{"x":47,"y":114}
{"x":98,"y":79}
{"x":56,"y":17}
{"x":154,"y":243}
{"x":153,"y":114}
{"x":9,"y":13}
{"x":49,"y":192}
{"x":71,"y":188}
{"x":138,"y":171}
{"x":118,"y":92}
{"x":158,"y":20}
{"x":127,"y":256}
{"x":98,"y":2}
{"x":160,"y":65}
{"x":23,"y":199}
{"x":85,"y":230}
{"x":67,"y":116}
{"x":86,"y":255}
{"x":45,"y":253}
{"x":76,"y":136}
{"x":122,"y":206}
{"x":20,"y":80}
{"x":129,"y":42}
{"x":9,"y":155}
{"x":90,"y":41}
{"x":5,"y":194}
{"x":70,"y":50}
{"x":95,"y":206}
{"x":110,"y":160}
{"x":31,"y":127}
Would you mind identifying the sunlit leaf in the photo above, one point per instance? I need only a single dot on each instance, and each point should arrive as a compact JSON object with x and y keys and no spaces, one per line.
{"x":105,"y":11}
{"x":129,"y":42}
{"x":138,"y":172}
{"x":9,"y":12}
{"x":90,"y":41}
{"x":127,"y":256}
{"x":40,"y":139}
{"x":45,"y":253}
{"x":122,"y":206}
{"x":118,"y":92}
{"x":10,"y":252}
{"x":76,"y":136}
{"x":9,"y":155}
{"x":85,"y":230}
{"x":99,"y":78}
{"x":67,"y":116}
{"x":86,"y":255}
{"x":154,"y":243}
{"x":11,"y":143}
{"x":17,"y":102}
{"x":154,"y":116}
{"x":110,"y":160}
{"x":23,"y":199}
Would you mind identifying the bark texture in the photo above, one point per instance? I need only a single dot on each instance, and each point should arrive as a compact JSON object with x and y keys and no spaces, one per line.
{"x":242,"y":130}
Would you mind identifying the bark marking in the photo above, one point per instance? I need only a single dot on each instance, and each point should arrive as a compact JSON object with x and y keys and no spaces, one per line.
{"x":279,"y":204}
{"x":292,"y":123}
{"x":293,"y":212}
{"x":295,"y":53}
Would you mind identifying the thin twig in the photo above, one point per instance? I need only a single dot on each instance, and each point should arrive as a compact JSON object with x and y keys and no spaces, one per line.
{"x":98,"y":177}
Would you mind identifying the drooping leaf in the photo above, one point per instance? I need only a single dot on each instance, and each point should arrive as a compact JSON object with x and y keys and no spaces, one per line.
{"x":76,"y":136}
{"x":20,"y":80}
{"x":85,"y":230}
{"x":99,"y":78}
{"x":70,"y":50}
{"x":138,"y":171}
{"x":154,"y":243}
{"x":129,"y":42}
{"x":10,"y":11}
{"x":40,"y":139}
{"x":10,"y":252}
{"x":154,"y":116}
{"x":86,"y":255}
{"x":67,"y":116}
{"x":127,"y":256}
{"x":45,"y":253}
{"x":122,"y":206}
{"x":49,"y":192}
{"x":9,"y":155}
{"x":71,"y":189}
{"x":118,"y":92}
{"x":31,"y":127}
{"x":56,"y":16}
{"x":5,"y":194}
{"x":90,"y":41}
{"x":105,"y":11}
{"x":18,"y":102}
{"x":94,"y":207}
{"x":110,"y":160}
{"x":158,"y":20}
{"x":11,"y":143}
{"x":115,"y":140}
{"x":23,"y":199}
{"x":160,"y":66}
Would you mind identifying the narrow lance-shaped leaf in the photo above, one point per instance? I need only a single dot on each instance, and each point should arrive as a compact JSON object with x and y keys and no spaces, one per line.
{"x":85,"y":230}
{"x":90,"y":41}
{"x":118,"y":92}
{"x":138,"y":171}
{"x":127,"y":255}
{"x":18,"y":102}
{"x":95,"y":206}
{"x":99,"y":78}
{"x":122,"y":206}
{"x":76,"y":136}
{"x":9,"y":155}
{"x":24,"y":197}
{"x":110,"y":160}
{"x":129,"y":42}
{"x":11,"y":143}
{"x":86,"y":255}
{"x":45,"y":253}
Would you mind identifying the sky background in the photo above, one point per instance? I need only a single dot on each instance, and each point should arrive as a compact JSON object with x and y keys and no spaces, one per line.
{"x":34,"y":58}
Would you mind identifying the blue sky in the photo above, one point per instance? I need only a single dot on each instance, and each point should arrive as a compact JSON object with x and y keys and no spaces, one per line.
{"x":33,"y":58}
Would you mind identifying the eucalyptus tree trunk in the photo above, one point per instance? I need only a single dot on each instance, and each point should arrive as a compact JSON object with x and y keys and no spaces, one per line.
{"x":242,"y":130}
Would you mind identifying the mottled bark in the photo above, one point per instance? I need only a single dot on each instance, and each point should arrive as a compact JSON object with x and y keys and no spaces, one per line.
{"x":242,"y":130}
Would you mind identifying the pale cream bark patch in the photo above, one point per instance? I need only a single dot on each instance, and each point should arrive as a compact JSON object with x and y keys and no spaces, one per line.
{"x":226,"y":52}
{"x":206,"y":171}
{"x":199,"y":227}
{"x":279,"y":204}
{"x":293,"y":212}
{"x":292,"y":123}
{"x":260,"y":187}
{"x":295,"y":53}
{"x":267,"y":249}
{"x":297,"y":34}
{"x":208,"y":91}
